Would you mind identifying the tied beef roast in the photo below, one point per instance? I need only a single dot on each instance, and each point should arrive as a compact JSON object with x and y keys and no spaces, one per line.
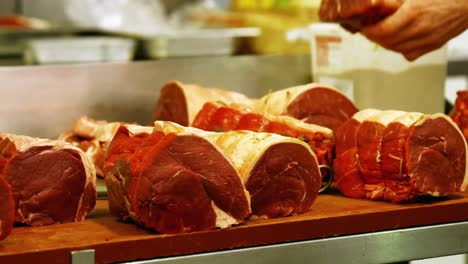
{"x":180,"y":179}
{"x":7,"y":208}
{"x":312,"y":103}
{"x":220,"y":117}
{"x":280,"y":173}
{"x":397,"y":156}
{"x":172,"y":182}
{"x":181,"y":102}
{"x":51,"y":181}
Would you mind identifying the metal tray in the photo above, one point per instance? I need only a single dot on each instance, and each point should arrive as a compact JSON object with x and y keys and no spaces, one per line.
{"x":203,"y":42}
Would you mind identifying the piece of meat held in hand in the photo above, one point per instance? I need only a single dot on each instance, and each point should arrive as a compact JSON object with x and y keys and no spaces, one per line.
{"x":280,"y":173}
{"x":459,"y":112}
{"x":173,"y":182}
{"x":397,"y":156}
{"x":180,"y":103}
{"x":312,"y":103}
{"x":7,"y":208}
{"x":52,"y":181}
{"x":220,"y":117}
{"x":354,"y":14}
{"x":93,"y":137}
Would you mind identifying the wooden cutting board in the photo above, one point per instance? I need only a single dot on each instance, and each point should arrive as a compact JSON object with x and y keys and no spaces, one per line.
{"x":115,"y":241}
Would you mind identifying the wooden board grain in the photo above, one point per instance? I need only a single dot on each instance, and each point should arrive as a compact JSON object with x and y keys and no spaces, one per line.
{"x":115,"y":241}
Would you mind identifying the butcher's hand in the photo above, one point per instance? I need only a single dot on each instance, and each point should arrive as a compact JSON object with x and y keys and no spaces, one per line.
{"x":420,"y":26}
{"x":353,"y":14}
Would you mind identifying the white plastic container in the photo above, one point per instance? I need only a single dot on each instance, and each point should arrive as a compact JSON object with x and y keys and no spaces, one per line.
{"x":80,"y":50}
{"x":374,"y":77}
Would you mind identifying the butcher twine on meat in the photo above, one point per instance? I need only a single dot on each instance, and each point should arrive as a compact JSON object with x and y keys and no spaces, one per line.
{"x":176,"y":179}
{"x":397,"y":156}
{"x":51,"y":181}
{"x":172,"y":182}
{"x":280,"y":173}
{"x":181,"y":102}
{"x":312,"y":103}
{"x":220,"y":117}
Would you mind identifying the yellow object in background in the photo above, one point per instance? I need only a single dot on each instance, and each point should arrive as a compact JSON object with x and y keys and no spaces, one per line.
{"x":273,"y":4}
{"x":275,"y":18}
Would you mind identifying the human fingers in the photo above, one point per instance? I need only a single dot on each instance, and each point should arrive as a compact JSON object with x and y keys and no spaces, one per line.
{"x":429,"y":41}
{"x":420,"y":51}
{"x":329,"y":10}
{"x":390,"y":26}
{"x":403,"y":38}
{"x":367,"y":8}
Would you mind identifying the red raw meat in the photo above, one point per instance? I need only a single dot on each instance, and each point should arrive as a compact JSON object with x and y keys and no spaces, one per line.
{"x":51,"y":181}
{"x":170,"y":182}
{"x":180,"y":103}
{"x":400,"y":156}
{"x":280,"y":173}
{"x":312,"y":103}
{"x":7,"y":209}
{"x":219,"y":117}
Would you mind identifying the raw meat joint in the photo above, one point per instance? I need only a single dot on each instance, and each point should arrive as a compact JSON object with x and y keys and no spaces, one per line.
{"x":459,"y":112}
{"x":92,"y":137}
{"x":176,"y":179}
{"x":7,"y":208}
{"x":312,"y":103}
{"x":397,"y":156}
{"x":51,"y":181}
{"x":220,"y":117}
{"x":180,"y":103}
{"x":172,"y":183}
{"x":280,"y":173}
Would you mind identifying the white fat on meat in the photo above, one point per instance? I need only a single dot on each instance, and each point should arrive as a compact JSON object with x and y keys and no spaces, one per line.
{"x":363,"y":115}
{"x":297,"y":124}
{"x":101,"y":131}
{"x":409,"y":118}
{"x":386,"y":117}
{"x":196,"y":96}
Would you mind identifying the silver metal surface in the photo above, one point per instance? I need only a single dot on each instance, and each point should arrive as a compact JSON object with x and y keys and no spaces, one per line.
{"x":199,"y":42}
{"x":378,"y":247}
{"x":83,"y":257}
{"x":44,"y":101}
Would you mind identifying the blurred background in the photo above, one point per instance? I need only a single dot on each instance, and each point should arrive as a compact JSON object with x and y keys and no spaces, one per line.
{"x":73,"y":31}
